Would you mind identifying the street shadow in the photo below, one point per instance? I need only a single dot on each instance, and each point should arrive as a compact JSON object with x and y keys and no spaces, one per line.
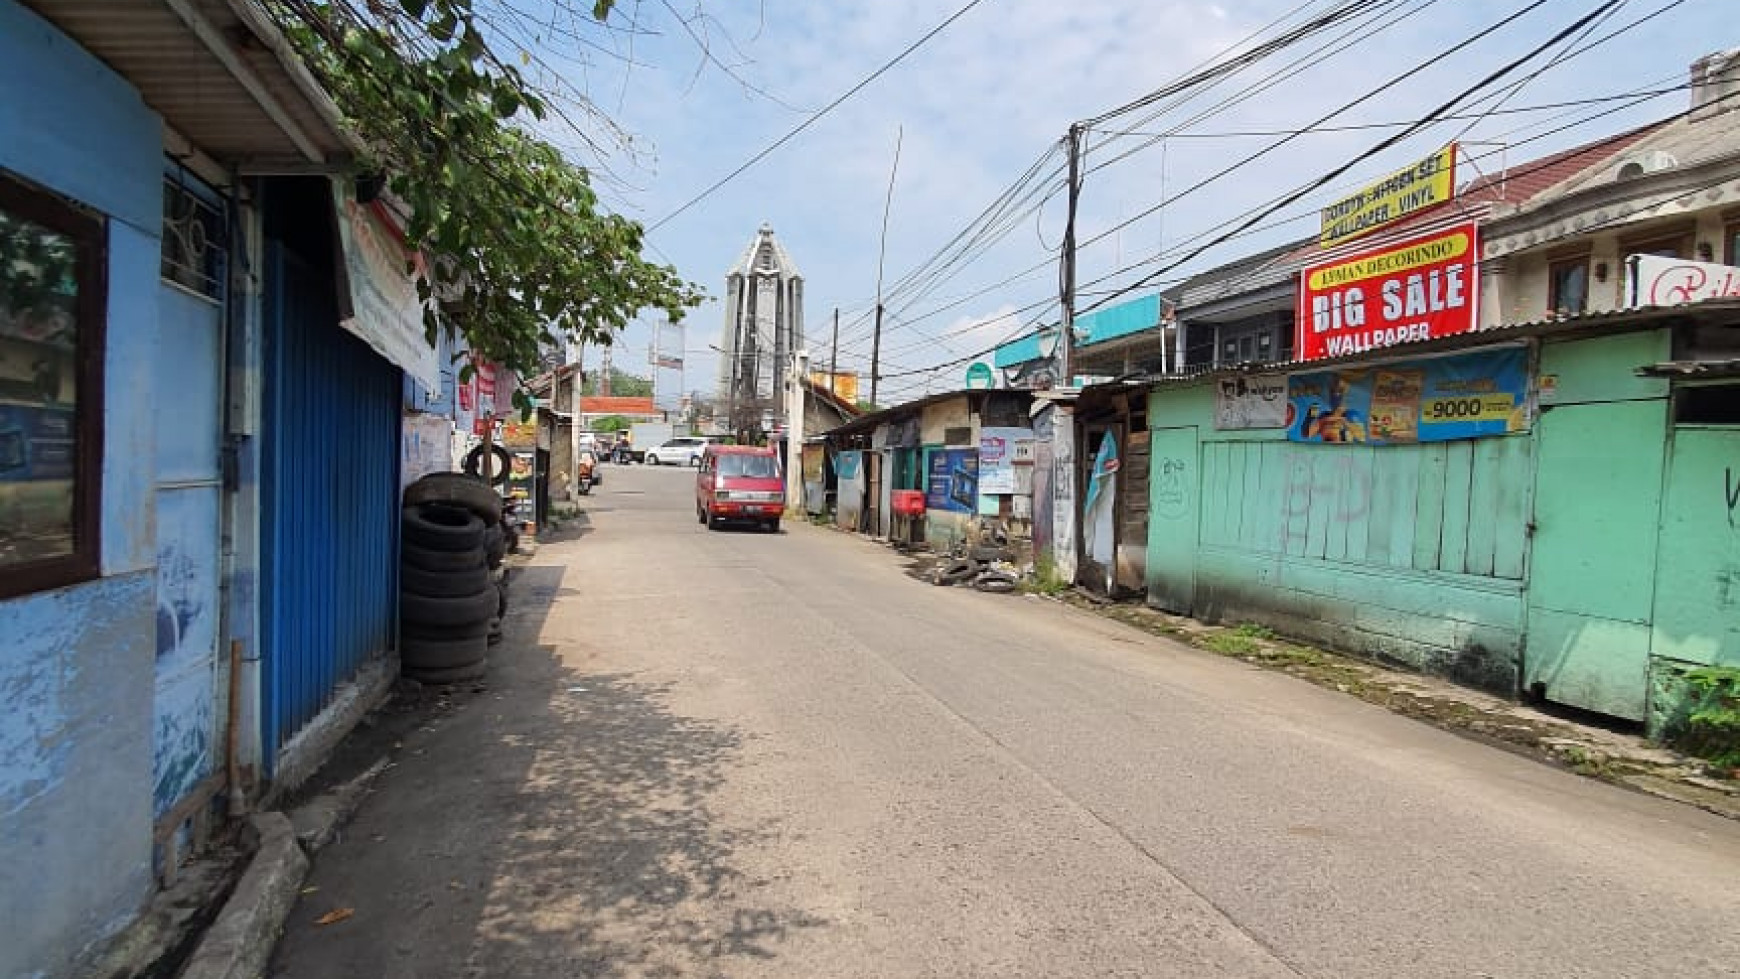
{"x":556,"y":823}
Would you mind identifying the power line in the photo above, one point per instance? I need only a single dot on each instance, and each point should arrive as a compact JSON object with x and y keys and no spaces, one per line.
{"x":816,"y":116}
{"x":1382,"y":145}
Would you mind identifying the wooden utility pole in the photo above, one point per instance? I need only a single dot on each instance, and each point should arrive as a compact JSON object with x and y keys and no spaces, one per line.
{"x":1066,"y":281}
{"x":834,"y":356}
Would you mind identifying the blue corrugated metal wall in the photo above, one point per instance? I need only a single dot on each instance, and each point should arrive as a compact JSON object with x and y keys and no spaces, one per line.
{"x":330,"y":499}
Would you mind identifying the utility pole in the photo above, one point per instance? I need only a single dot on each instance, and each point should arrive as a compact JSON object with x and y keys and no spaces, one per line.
{"x":834,"y":356}
{"x":876,"y":347}
{"x":1066,"y":284}
{"x":881,"y":253}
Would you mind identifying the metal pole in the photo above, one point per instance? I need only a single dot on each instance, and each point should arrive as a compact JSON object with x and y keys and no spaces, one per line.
{"x":834,"y":357}
{"x":881,"y":253}
{"x":1066,"y":297}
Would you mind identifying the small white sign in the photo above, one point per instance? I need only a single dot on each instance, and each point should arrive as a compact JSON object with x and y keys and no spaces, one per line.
{"x":1661,"y":281}
{"x":1251,"y":401}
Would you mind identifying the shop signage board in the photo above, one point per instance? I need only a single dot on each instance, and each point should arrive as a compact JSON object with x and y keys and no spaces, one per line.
{"x":997,"y":458}
{"x":1250,"y":401}
{"x":1408,"y":191}
{"x":952,"y":480}
{"x":1419,"y":288}
{"x":1462,"y":396}
{"x":1656,"y":280}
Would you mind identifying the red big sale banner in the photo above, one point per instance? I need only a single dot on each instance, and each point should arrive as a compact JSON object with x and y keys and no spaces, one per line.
{"x":1416,"y":289}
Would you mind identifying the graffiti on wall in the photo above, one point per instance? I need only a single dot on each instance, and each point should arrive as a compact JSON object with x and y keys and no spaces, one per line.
{"x":1331,"y":486}
{"x":1731,"y":491}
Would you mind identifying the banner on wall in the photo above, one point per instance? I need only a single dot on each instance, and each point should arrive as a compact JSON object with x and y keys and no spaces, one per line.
{"x":1417,"y":289}
{"x":952,"y":482}
{"x":1460,"y":397}
{"x":997,"y":448}
{"x":385,"y":310}
{"x":1251,"y":401}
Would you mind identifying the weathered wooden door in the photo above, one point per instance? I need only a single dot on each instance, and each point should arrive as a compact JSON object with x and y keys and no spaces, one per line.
{"x":1592,"y":566}
{"x":1173,"y":509}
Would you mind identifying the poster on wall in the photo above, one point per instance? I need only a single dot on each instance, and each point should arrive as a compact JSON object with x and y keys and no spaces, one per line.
{"x":1251,"y":401}
{"x":997,"y":451}
{"x":1459,"y":397}
{"x":952,"y":482}
{"x":1417,"y":289}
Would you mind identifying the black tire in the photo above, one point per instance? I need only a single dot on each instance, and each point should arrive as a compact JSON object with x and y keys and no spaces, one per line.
{"x":465,"y":630}
{"x":494,"y":546}
{"x":650,"y":459}
{"x":994,"y":581}
{"x":443,"y":584}
{"x":773,"y":526}
{"x":955,"y":572}
{"x":456,"y":489}
{"x":504,"y":464}
{"x":442,"y":654}
{"x":463,"y":610}
{"x":713,"y":522}
{"x":442,"y":528}
{"x":700,"y":514}
{"x":457,"y":674}
{"x":413,"y":555}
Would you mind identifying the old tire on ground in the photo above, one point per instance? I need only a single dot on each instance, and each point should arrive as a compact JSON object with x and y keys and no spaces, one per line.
{"x":417,"y":556}
{"x":462,"y":610}
{"x":994,"y":581}
{"x":442,"y":528}
{"x":955,"y":572}
{"x":458,"y":674}
{"x":456,"y":489}
{"x":422,"y":630}
{"x":443,"y":584}
{"x":442,"y":654}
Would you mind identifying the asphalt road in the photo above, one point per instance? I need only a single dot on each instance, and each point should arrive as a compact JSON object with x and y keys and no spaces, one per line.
{"x":741,"y":754}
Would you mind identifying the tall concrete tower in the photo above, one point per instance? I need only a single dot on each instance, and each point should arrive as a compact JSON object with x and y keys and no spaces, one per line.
{"x":764,"y":325}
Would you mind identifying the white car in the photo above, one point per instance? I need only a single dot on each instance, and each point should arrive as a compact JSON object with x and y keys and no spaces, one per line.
{"x":683,"y":451}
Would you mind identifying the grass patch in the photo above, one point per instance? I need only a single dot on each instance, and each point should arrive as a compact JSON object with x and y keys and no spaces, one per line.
{"x":1045,"y":580}
{"x":1230,"y":643}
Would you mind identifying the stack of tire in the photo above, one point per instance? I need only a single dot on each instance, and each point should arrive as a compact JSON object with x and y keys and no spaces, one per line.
{"x":450,"y":597}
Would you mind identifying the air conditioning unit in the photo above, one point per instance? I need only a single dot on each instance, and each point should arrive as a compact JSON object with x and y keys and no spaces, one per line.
{"x":1634,"y":165}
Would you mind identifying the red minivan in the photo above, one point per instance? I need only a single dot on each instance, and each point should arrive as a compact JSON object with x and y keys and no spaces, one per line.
{"x":739,"y":482}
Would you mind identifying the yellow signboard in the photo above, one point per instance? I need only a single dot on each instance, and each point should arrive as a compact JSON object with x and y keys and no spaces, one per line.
{"x":844,"y":384}
{"x":1426,"y":184}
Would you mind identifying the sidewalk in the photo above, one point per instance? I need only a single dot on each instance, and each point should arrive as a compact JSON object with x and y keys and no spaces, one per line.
{"x":1588,"y":749}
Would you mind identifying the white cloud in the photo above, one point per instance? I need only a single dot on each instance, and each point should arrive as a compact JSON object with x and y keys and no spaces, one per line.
{"x":987,"y":96}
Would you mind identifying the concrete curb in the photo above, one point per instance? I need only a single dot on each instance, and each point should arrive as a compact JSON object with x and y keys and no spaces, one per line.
{"x":240,"y":941}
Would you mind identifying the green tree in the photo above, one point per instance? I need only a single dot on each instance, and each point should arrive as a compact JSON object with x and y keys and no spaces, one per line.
{"x":610,"y":423}
{"x":622,"y":384}
{"x":521,"y":252}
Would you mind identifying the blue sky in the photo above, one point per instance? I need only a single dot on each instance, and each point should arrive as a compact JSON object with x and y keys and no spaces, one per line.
{"x":982,"y":101}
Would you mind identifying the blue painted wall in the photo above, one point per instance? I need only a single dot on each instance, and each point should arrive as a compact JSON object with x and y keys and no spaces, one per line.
{"x":77,"y":663}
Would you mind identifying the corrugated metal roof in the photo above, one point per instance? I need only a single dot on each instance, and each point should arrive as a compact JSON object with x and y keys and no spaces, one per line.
{"x":1716,"y":311}
{"x":218,"y":72}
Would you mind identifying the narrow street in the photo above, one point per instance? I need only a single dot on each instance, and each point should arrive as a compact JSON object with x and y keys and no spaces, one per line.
{"x":740,"y":754}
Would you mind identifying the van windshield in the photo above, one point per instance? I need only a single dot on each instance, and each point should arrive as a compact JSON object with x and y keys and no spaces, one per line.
{"x":755,"y":467}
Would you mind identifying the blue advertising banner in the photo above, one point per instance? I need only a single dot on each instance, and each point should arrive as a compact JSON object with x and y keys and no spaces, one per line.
{"x":1460,"y":397}
{"x":952,"y":481}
